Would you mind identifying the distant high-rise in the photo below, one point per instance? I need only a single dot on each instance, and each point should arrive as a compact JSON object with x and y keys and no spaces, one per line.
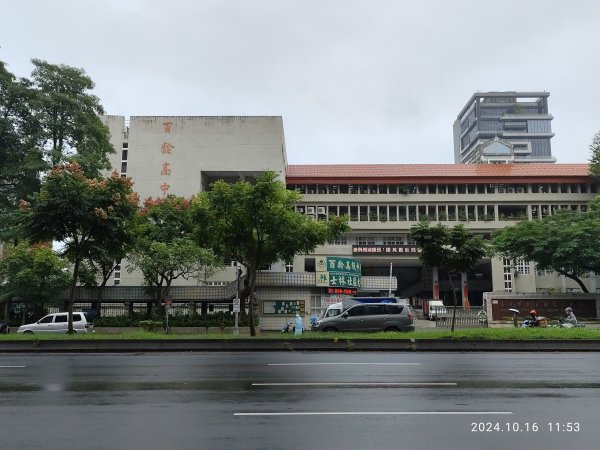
{"x":501,"y":127}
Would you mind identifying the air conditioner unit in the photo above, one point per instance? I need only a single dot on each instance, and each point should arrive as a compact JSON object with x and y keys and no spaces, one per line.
{"x":321,"y":210}
{"x":520,"y":190}
{"x":310,"y":210}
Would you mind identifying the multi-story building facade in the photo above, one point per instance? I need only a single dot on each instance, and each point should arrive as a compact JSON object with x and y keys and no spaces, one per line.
{"x":503,"y":127}
{"x":384,"y":201}
{"x":183,"y":155}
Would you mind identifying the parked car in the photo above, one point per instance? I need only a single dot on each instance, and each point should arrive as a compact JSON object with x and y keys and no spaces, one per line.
{"x":433,"y":309}
{"x":371,"y":317}
{"x":57,"y":323}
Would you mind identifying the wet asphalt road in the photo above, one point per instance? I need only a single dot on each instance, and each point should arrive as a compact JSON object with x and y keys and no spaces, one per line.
{"x":346,"y":400}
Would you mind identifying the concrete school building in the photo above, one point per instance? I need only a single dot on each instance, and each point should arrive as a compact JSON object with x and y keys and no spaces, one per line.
{"x":184,"y":155}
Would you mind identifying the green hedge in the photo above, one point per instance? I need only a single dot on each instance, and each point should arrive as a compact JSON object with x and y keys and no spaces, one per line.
{"x":217,"y":319}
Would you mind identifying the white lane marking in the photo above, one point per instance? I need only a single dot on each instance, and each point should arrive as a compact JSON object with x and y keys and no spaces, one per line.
{"x":346,"y":364}
{"x":378,"y":413}
{"x":383,"y":383}
{"x":12,"y":367}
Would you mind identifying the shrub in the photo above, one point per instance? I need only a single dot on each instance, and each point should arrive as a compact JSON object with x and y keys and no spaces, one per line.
{"x":151,"y":325}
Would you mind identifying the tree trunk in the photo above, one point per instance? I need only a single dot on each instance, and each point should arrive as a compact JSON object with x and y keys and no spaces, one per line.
{"x":576,"y":280}
{"x":99,"y":298}
{"x":454,"y":300}
{"x":72,"y":293}
{"x":7,"y":311}
{"x":252,"y":276}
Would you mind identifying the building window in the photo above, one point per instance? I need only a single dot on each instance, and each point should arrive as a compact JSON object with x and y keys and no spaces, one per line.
{"x":543,"y":273}
{"x":365,"y":240}
{"x":508,"y":275}
{"x":393,"y":240}
{"x":342,"y":240}
{"x":289,"y":266}
{"x":402,"y":213}
{"x":522,"y":267}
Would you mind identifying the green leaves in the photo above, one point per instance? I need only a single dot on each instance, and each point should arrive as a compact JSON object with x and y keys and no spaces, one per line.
{"x":567,"y":242}
{"x":456,"y":248}
{"x":165,"y":248}
{"x":595,"y":158}
{"x":35,"y":274}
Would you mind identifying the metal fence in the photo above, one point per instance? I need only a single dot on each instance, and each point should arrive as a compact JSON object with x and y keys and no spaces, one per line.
{"x":466,"y":317}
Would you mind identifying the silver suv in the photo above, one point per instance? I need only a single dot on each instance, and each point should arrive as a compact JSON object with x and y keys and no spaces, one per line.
{"x":57,"y":323}
{"x":371,"y":317}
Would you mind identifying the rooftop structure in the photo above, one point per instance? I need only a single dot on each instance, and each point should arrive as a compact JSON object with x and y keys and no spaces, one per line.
{"x":519,"y":121}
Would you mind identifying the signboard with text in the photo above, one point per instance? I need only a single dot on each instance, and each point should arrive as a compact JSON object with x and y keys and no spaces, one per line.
{"x":398,"y":250}
{"x":338,"y":272}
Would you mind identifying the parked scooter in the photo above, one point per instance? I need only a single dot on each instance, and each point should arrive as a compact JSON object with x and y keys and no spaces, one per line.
{"x":4,"y":328}
{"x":287,"y":326}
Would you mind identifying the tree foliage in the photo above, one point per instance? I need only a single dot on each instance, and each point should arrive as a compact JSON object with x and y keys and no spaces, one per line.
{"x":48,"y":120}
{"x":567,"y":242}
{"x":20,"y":155}
{"x":595,"y":158}
{"x":80,"y":212}
{"x":33,"y":274}
{"x":256,"y":225}
{"x":165,"y":248}
{"x":69,"y":116}
{"x":456,"y":249}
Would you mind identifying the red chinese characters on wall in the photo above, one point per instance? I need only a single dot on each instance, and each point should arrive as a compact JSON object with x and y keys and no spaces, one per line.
{"x":166,"y":169}
{"x":166,"y":149}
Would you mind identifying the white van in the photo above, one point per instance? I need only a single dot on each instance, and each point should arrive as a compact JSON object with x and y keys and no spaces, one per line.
{"x":57,"y":323}
{"x":435,"y":309}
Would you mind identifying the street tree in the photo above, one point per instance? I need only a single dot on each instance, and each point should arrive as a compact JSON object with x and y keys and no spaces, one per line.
{"x":595,"y":158}
{"x":165,"y":248}
{"x":256,"y":225}
{"x":567,"y":242}
{"x":456,"y":249}
{"x":33,"y":274}
{"x":69,"y":115}
{"x":80,"y":212}
{"x":20,"y":155}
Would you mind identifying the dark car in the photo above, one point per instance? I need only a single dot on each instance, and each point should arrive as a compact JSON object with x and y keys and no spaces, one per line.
{"x":371,"y":317}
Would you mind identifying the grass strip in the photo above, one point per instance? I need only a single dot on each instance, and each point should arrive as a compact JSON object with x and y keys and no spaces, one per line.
{"x":487,"y":334}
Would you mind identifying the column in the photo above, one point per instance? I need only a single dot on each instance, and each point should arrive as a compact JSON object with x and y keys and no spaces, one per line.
{"x":465,"y":290}
{"x":436,"y":283}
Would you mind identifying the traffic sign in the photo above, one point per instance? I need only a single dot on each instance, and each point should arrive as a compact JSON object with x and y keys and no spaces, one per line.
{"x":236,"y":305}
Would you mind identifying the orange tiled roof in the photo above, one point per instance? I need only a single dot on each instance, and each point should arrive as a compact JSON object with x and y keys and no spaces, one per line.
{"x":428,"y":172}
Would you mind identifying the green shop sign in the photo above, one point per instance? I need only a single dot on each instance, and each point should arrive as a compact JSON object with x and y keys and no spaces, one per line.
{"x":334,"y":271}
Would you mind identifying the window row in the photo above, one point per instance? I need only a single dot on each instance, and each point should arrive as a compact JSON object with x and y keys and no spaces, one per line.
{"x":546,"y":188}
{"x":402,"y":213}
{"x":396,"y":239}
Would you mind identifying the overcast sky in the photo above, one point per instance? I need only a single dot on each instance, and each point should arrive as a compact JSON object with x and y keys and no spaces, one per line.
{"x":368,"y":81}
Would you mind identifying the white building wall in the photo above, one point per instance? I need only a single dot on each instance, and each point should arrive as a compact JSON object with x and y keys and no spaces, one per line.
{"x":168,"y":155}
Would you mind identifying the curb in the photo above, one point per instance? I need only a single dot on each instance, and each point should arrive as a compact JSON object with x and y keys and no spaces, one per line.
{"x":262,"y":345}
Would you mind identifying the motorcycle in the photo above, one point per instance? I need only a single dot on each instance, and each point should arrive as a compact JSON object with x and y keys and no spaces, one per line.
{"x":287,"y":326}
{"x":4,"y":328}
{"x":563,"y":324}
